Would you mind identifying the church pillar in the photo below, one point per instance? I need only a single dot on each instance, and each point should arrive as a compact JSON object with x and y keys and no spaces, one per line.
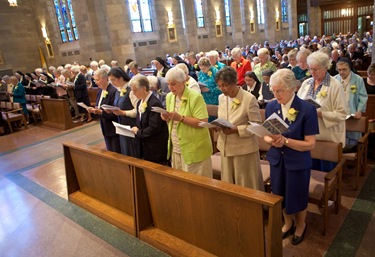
{"x":315,"y":20}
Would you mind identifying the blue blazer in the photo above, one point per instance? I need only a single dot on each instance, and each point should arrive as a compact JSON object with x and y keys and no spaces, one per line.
{"x":306,"y":123}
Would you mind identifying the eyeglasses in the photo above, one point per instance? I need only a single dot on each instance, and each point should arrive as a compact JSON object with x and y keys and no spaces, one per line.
{"x":279,"y":91}
{"x":315,"y":69}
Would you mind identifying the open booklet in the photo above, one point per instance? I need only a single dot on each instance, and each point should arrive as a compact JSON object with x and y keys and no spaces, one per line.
{"x":311,"y":100}
{"x":218,"y":123}
{"x":351,"y":116}
{"x":123,"y":130}
{"x":158,"y":109}
{"x":273,"y":125}
{"x":84,"y":105}
{"x":107,"y":107}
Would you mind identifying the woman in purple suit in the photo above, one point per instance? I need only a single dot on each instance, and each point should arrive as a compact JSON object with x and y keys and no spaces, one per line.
{"x":289,"y":155}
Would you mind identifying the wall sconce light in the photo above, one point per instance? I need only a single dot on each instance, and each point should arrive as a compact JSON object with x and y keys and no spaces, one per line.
{"x":44,"y":32}
{"x":277,"y":14}
{"x":251,"y":14}
{"x":170,"y":18}
{"x":12,"y":3}
{"x":217,"y":15}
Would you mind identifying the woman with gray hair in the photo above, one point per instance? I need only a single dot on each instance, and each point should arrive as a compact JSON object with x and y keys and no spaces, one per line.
{"x":264,"y":64}
{"x":150,"y":129}
{"x":240,"y":161}
{"x":206,"y":76}
{"x":289,"y":155}
{"x":189,"y":145}
{"x":328,"y":92}
{"x":190,"y":81}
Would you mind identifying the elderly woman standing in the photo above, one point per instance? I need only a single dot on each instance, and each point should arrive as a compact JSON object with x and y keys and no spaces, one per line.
{"x":328,"y":92}
{"x":150,"y":129}
{"x":301,"y":71}
{"x":356,"y":96}
{"x":240,"y":65}
{"x":80,"y":92}
{"x":206,"y":76}
{"x":289,"y":155}
{"x":190,"y":81}
{"x":106,"y":95}
{"x":189,"y":145}
{"x":240,"y":161}
{"x":265,"y":63}
{"x":127,"y":102}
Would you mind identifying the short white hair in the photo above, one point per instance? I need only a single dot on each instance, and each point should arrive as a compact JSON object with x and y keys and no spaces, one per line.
{"x":183,"y":67}
{"x":105,"y":67}
{"x":94,"y":64}
{"x":75,"y":69}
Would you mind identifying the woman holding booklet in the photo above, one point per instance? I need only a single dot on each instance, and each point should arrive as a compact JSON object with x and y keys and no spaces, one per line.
{"x":240,"y":161}
{"x":289,"y":155}
{"x":189,"y":145}
{"x":127,"y":102}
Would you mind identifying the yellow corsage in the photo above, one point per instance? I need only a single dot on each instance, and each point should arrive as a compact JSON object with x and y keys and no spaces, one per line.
{"x":105,"y":93}
{"x":216,"y":66}
{"x":321,"y":94}
{"x":307,"y":73}
{"x":292,"y":115}
{"x":184,"y":99}
{"x":239,"y":65}
{"x":143,"y":107}
{"x":265,"y":66}
{"x":235,"y":103}
{"x":196,"y":66}
{"x":123,"y":92}
{"x":209,"y":73}
{"x":353,"y":89}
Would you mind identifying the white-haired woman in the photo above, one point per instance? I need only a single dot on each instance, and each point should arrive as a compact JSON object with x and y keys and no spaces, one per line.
{"x":329,"y":93}
{"x":289,"y":155}
{"x":189,"y":145}
{"x":264,"y":64}
{"x":190,"y":81}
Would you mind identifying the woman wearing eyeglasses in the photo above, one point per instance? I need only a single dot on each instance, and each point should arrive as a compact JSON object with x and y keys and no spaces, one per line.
{"x":329,"y":93}
{"x":289,"y":155}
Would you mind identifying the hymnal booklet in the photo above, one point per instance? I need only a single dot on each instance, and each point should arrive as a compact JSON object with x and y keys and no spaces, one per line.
{"x":272,"y":126}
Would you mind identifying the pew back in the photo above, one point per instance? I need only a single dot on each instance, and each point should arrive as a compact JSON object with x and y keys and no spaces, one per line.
{"x":180,"y":213}
{"x":56,"y":114}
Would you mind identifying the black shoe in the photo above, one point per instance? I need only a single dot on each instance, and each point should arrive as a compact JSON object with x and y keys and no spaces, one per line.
{"x":298,"y":239}
{"x":289,"y":232}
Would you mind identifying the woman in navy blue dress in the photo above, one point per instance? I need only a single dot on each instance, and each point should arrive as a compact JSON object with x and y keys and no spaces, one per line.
{"x":127,"y":102}
{"x":289,"y":155}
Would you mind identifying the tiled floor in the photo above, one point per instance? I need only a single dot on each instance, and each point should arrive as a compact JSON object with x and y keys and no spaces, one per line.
{"x":37,"y":220}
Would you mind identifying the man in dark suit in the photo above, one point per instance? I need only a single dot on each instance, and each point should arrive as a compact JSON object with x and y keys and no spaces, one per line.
{"x":150,"y":128}
{"x":106,"y":95}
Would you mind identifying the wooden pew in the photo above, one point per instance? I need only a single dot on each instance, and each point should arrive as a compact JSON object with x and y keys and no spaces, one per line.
{"x":102,"y":183}
{"x":180,"y":213}
{"x":370,"y":108}
{"x":56,"y":114}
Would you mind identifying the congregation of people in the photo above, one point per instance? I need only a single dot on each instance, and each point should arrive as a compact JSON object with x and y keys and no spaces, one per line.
{"x":240,"y":81}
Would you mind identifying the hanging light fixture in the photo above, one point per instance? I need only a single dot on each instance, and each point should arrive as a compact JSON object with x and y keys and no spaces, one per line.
{"x":12,"y":3}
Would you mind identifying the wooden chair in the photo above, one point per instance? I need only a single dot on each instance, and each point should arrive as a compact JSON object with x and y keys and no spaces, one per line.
{"x":14,"y":114}
{"x":360,"y":156}
{"x":326,"y":186}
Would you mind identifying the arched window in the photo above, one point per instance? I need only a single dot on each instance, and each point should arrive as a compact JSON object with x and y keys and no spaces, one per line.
{"x":227,"y":12}
{"x":260,"y":11}
{"x":199,"y":13}
{"x":66,"y":20}
{"x":140,"y":15}
{"x":284,"y":10}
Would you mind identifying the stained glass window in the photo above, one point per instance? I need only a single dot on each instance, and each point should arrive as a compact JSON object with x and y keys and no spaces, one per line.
{"x":227,"y":12}
{"x":66,"y":20}
{"x":140,"y":15}
{"x":199,"y":13}
{"x":260,"y":11}
{"x":284,"y":11}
